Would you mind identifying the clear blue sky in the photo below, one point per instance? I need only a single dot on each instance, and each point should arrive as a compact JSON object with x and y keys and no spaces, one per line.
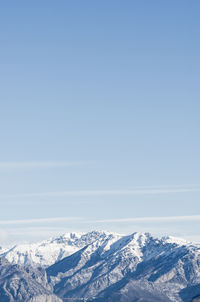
{"x":98,"y":99}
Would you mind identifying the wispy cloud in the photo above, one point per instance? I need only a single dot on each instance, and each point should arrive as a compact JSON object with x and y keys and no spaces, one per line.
{"x":16,"y":231}
{"x":151,"y":219}
{"x":40,"y":220}
{"x":99,"y":193}
{"x":40,"y":164}
{"x":190,"y":218}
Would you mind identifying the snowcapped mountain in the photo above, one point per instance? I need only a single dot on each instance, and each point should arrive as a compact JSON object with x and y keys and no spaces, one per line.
{"x":48,"y":252}
{"x":136,"y":265}
{"x":108,"y":267}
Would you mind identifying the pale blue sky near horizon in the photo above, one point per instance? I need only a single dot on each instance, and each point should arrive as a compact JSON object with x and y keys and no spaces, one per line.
{"x":100,"y":117}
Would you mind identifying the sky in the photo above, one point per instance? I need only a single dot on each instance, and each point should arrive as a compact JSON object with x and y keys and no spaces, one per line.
{"x":99,"y":118}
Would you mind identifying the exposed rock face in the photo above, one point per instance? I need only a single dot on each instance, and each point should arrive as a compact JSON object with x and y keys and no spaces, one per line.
{"x":196,"y":299}
{"x":45,"y":298}
{"x":130,"y":268}
{"x":18,"y":284}
{"x":104,"y":267}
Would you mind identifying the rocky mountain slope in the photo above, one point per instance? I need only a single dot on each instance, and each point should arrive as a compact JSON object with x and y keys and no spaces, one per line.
{"x":137,"y":263}
{"x":22,"y":284}
{"x":107,"y":267}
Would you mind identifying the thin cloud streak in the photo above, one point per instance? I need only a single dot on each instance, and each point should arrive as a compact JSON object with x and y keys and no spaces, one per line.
{"x":88,"y":193}
{"x":40,"y":164}
{"x":150,"y":219}
{"x":118,"y":220}
{"x":40,"y":220}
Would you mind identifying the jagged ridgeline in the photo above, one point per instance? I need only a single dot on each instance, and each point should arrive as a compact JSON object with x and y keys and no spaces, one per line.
{"x":101,"y":267}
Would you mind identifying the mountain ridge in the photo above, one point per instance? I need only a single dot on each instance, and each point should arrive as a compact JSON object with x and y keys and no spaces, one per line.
{"x":107,"y":267}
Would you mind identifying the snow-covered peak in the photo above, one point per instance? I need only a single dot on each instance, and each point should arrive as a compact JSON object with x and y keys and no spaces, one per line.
{"x":49,"y":251}
{"x":161,"y":265}
{"x":175,"y":240}
{"x":84,"y":265}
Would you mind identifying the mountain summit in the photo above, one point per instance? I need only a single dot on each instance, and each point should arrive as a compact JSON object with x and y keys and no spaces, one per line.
{"x":107,"y":267}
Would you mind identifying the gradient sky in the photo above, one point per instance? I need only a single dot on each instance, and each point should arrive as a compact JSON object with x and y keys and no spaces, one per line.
{"x":99,"y":117}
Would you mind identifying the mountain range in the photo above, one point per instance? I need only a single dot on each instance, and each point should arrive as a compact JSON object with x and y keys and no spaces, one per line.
{"x":101,"y":266}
